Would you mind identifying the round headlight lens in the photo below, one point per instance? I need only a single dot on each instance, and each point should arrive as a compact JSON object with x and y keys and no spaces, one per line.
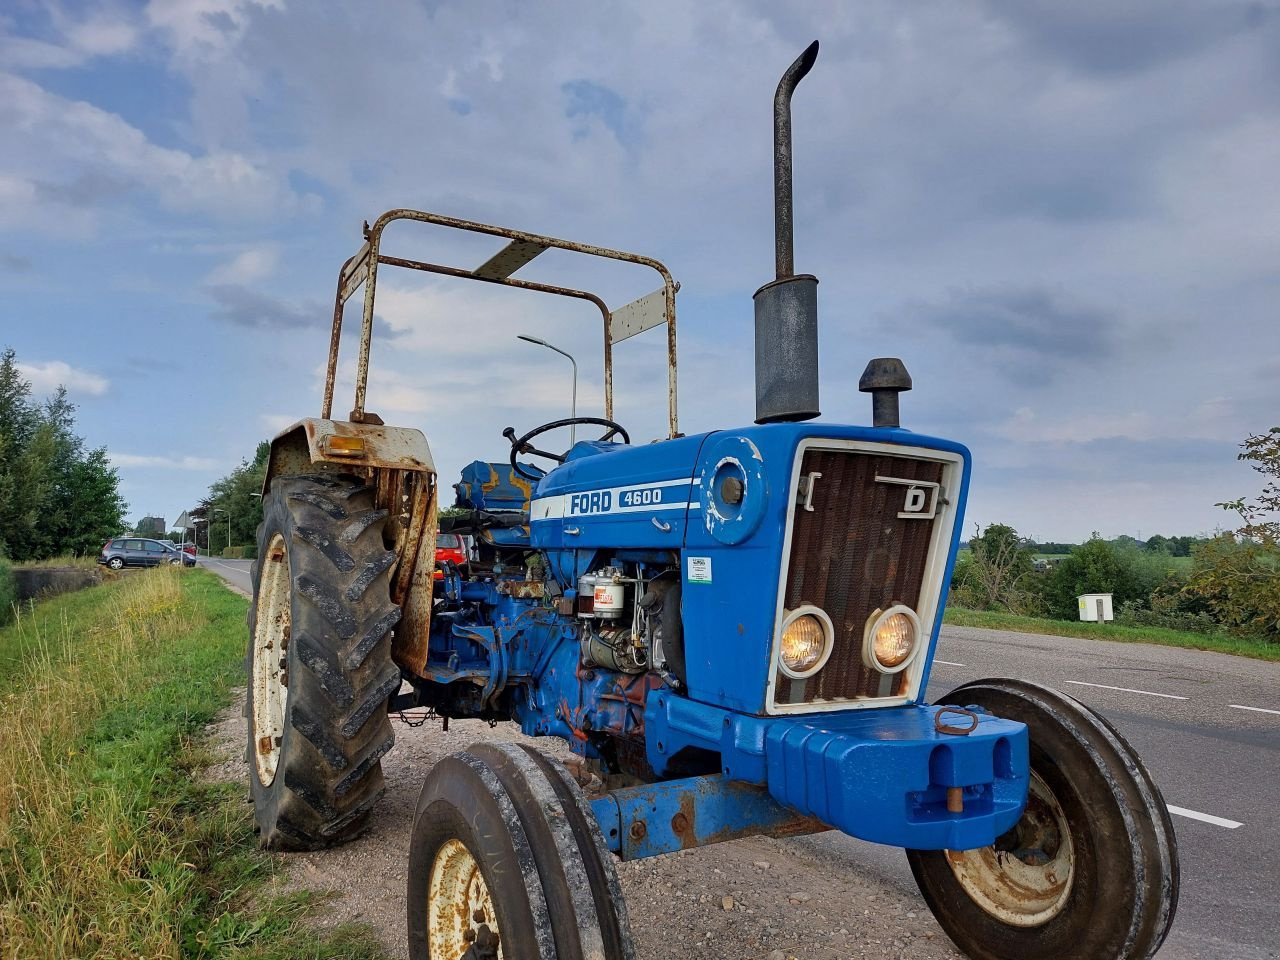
{"x":892,"y":639}
{"x":806,"y":642}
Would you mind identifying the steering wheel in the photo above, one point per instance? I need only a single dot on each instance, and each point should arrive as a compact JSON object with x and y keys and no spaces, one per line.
{"x":522,"y":445}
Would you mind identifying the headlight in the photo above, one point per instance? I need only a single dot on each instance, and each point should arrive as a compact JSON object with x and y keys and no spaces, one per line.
{"x":892,"y":639}
{"x":806,"y":642}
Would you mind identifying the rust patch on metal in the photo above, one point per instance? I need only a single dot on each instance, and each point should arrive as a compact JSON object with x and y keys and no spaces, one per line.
{"x":942,"y":727}
{"x":682,"y":823}
{"x":264,"y":745}
{"x":955,"y":799}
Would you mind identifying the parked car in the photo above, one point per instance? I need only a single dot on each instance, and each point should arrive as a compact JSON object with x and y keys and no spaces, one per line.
{"x":141,"y":552}
{"x":450,"y":548}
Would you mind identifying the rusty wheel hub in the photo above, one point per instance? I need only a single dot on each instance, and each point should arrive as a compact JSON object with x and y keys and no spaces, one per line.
{"x":460,"y":913}
{"x":270,"y":659}
{"x":1025,"y":878}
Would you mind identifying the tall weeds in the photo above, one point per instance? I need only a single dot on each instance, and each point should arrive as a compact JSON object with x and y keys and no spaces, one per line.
{"x":109,"y":846}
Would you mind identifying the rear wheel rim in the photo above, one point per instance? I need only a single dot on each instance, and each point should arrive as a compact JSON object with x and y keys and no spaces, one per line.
{"x":270,"y":660}
{"x":1025,"y":878}
{"x":459,"y":906}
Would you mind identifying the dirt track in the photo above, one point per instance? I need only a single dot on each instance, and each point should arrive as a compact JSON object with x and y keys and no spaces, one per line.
{"x":756,"y":898}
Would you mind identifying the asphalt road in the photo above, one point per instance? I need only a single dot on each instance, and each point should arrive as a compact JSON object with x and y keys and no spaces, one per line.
{"x":235,"y":572}
{"x":1207,"y":726}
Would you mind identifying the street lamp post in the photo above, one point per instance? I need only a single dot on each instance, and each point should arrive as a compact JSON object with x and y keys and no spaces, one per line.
{"x":196,"y":536}
{"x":573,"y":403}
{"x":228,"y":513}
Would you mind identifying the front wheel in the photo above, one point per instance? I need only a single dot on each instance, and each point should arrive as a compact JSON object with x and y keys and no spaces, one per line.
{"x":1091,"y":867}
{"x":506,"y":860}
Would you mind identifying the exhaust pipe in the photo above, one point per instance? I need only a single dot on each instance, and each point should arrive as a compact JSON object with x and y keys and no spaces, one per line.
{"x":787,"y":308}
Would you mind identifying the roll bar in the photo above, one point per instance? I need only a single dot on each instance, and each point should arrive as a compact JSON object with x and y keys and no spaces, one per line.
{"x":651,"y":310}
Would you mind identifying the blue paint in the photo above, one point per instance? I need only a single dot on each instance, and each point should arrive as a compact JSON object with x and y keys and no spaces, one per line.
{"x":665,"y":509}
{"x":879,"y":775}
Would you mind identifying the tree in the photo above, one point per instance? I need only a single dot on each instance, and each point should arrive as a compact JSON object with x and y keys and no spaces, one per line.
{"x":1237,"y":574}
{"x":236,"y":495}
{"x":55,"y":497}
{"x":994,"y":574}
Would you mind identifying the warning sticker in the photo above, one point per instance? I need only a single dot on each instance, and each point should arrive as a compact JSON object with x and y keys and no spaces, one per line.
{"x":699,"y":569}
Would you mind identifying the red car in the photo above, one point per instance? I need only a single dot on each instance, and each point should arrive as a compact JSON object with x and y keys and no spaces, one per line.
{"x":450,"y":548}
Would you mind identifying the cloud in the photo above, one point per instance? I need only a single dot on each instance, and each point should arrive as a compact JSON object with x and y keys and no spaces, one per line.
{"x":1107,"y":38}
{"x":1030,"y":334}
{"x":15,"y":263}
{"x":161,"y":461}
{"x":201,"y":29}
{"x":69,"y":153}
{"x":247,"y":266}
{"x":243,"y":306}
{"x":47,"y":377}
{"x":101,"y":33}
{"x":277,"y":422}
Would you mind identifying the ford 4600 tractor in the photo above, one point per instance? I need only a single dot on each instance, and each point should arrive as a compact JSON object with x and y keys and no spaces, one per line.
{"x":734,"y":630}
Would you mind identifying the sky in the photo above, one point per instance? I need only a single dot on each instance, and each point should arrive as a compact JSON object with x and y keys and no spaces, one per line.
{"x":1064,"y":218}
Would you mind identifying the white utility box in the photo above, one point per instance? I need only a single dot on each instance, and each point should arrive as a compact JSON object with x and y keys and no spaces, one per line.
{"x":1095,"y":607}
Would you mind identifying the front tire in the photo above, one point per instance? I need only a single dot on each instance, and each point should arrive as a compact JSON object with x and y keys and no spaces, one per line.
{"x":1090,"y":869}
{"x":319,"y":662}
{"x":506,"y":855}
{"x":115,"y":563}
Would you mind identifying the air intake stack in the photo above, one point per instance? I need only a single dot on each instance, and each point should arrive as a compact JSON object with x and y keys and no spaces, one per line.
{"x":787,"y":308}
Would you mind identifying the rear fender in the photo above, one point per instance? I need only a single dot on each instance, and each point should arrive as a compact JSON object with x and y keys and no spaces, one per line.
{"x":397,"y":462}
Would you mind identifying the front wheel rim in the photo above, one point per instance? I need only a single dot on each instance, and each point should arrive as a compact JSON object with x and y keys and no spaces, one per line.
{"x":270,"y":660}
{"x":1025,"y":878}
{"x":460,"y":908}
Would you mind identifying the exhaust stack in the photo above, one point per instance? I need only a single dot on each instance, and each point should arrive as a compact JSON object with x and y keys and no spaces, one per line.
{"x":786,"y":308}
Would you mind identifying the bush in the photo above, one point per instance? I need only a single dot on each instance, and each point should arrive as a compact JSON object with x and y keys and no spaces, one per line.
{"x":8,"y":591}
{"x":1239,"y":582}
{"x":1134,"y":614}
{"x":250,"y":552}
{"x":233,"y":553}
{"x":1131,"y":575}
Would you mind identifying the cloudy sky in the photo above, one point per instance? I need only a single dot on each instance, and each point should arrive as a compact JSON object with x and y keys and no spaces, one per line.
{"x":1064,"y":217}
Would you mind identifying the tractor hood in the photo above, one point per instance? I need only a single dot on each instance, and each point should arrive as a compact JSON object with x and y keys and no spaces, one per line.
{"x":616,"y":497}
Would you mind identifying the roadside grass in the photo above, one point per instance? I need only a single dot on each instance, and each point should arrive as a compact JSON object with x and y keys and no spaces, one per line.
{"x":88,"y":562}
{"x":1216,"y":642}
{"x":111,"y":845}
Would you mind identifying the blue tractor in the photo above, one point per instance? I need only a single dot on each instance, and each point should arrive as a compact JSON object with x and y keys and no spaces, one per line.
{"x":733,"y":630}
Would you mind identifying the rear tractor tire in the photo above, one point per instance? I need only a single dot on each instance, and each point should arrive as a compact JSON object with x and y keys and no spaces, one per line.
{"x":506,"y":860}
{"x":1090,"y":869}
{"x":319,"y":662}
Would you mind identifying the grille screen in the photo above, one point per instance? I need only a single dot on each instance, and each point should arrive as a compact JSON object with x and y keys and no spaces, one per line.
{"x":851,"y":555}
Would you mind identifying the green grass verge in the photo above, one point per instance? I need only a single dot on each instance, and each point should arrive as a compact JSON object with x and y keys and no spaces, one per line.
{"x":88,"y":562}
{"x":111,"y":846}
{"x":1217,"y":642}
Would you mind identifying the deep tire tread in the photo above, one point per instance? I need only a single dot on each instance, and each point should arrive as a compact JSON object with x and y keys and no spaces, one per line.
{"x":336,"y":730}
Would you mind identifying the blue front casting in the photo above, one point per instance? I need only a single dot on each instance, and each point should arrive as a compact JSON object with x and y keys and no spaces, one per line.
{"x":879,"y":775}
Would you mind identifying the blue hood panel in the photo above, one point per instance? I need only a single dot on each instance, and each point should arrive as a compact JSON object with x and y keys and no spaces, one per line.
{"x":612,"y":496}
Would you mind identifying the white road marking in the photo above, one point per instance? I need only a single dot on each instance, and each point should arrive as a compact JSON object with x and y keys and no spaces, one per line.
{"x":1204,"y":817}
{"x":948,"y":663}
{"x":1149,"y":693}
{"x":1240,"y":706}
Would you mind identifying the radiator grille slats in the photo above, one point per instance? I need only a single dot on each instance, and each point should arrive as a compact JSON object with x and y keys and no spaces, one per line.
{"x":850,"y":555}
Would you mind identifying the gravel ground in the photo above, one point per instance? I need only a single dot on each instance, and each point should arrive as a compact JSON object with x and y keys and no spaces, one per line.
{"x":759,"y":898}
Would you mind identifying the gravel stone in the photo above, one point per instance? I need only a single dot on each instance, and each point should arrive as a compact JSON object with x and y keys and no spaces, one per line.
{"x":827,"y":916}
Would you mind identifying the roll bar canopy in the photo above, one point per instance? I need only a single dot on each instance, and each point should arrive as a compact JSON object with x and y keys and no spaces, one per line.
{"x":651,"y":310}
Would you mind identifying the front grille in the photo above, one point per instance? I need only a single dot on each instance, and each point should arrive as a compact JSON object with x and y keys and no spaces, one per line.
{"x":851,"y":555}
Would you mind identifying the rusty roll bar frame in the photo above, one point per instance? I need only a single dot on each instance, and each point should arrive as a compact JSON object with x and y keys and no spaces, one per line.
{"x":523,"y":248}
